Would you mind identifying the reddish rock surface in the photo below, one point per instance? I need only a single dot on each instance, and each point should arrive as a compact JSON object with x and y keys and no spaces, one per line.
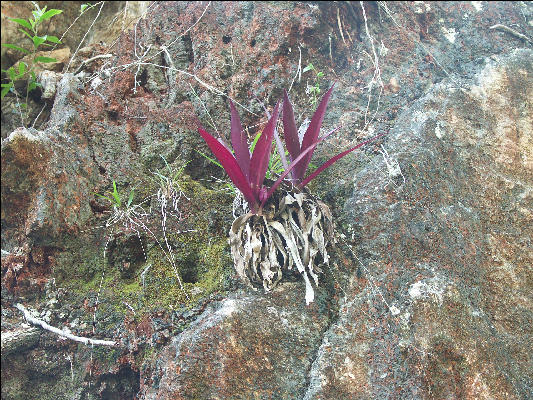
{"x":245,"y":346}
{"x":432,"y":301}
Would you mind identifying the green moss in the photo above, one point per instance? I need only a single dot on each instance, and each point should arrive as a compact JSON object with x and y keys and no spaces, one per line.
{"x":202,"y":259}
{"x":203,"y":266}
{"x":80,"y":263}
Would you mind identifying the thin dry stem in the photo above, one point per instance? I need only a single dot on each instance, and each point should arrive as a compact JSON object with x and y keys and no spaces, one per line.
{"x":44,"y":325}
{"x":84,"y":36}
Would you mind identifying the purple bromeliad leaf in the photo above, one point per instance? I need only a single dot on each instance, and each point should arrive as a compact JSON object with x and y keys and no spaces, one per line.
{"x":239,"y":142}
{"x":293,"y":165}
{"x":248,"y":172}
{"x":311,"y":134}
{"x":279,"y":144}
{"x":328,"y":163}
{"x":261,"y":154}
{"x":290,"y":131}
{"x":230,"y":165}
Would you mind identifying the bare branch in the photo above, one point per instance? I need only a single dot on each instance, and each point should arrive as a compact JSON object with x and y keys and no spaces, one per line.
{"x":84,"y":36}
{"x":511,"y":31}
{"x":44,"y":325}
{"x":90,"y":60}
{"x":298,"y":71}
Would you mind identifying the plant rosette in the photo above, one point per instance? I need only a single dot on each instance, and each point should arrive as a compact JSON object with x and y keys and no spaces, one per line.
{"x":280,"y":229}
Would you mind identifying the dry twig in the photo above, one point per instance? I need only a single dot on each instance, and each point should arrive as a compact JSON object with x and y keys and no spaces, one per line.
{"x":84,"y":36}
{"x":511,"y":31}
{"x":57,"y":331}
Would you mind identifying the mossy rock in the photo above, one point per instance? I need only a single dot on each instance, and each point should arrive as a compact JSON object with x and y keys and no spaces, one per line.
{"x":199,"y":250}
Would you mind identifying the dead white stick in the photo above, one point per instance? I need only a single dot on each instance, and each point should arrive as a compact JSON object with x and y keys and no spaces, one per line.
{"x":298,"y":71}
{"x":84,"y":36}
{"x":44,"y":325}
{"x":90,"y":60}
{"x":511,"y":31}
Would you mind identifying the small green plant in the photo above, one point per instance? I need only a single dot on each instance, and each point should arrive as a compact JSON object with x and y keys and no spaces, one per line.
{"x":127,"y":217}
{"x":114,"y":197}
{"x":314,"y":90}
{"x":30,"y":28}
{"x":86,"y":6}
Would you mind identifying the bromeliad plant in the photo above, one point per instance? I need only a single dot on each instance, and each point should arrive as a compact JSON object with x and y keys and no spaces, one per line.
{"x":281,"y":230}
{"x":247,"y":171}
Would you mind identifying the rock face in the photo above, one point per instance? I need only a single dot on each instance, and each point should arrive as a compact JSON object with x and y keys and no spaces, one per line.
{"x":77,"y":31}
{"x":449,"y":249}
{"x":242,"y":347}
{"x":442,"y":309}
{"x":430,"y":291}
{"x":54,"y":166}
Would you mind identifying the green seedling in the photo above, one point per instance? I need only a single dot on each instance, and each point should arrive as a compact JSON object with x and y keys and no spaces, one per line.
{"x":314,"y":90}
{"x":114,"y":197}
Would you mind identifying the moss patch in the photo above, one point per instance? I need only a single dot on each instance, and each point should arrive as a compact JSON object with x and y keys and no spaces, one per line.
{"x":201,"y":256}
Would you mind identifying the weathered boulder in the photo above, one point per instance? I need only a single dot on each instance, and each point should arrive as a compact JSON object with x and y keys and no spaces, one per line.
{"x":434,"y":301}
{"x":247,"y":345}
{"x":45,"y":177}
{"x":449,"y":249}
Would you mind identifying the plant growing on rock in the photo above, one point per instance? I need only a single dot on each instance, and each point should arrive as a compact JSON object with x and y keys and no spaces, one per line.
{"x":281,"y":229}
{"x":30,"y":28}
{"x":127,"y":217}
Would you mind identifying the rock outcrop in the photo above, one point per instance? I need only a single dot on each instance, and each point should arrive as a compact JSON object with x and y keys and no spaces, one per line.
{"x":429,"y":294}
